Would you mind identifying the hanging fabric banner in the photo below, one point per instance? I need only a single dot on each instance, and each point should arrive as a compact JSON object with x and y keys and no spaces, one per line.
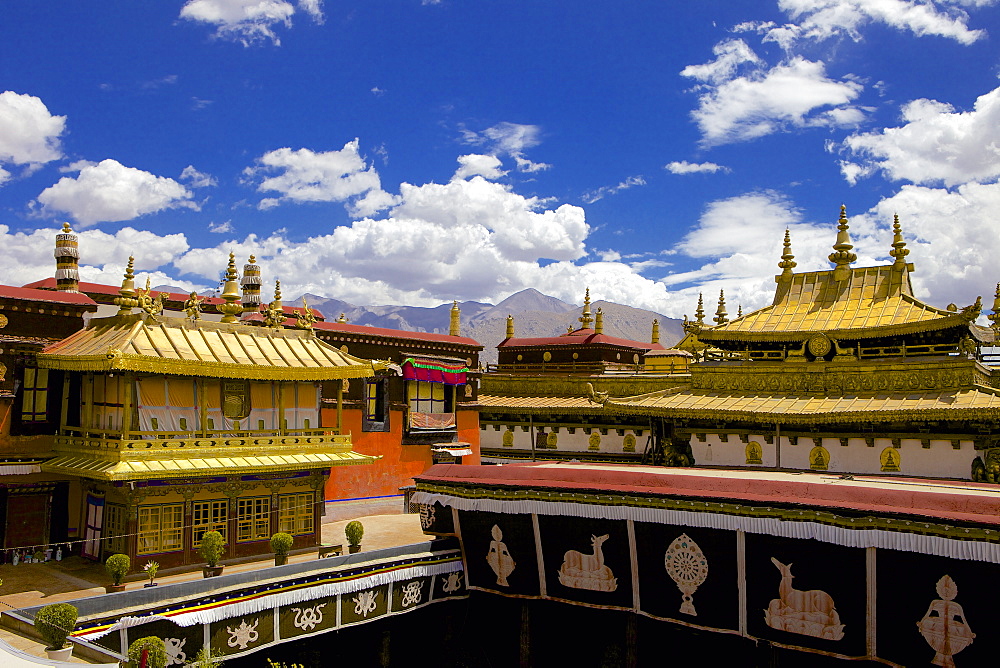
{"x":434,"y":371}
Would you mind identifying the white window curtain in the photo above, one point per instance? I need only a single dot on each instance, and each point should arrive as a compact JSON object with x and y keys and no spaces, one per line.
{"x":108,"y":400}
{"x":302,"y":405}
{"x":167,"y":404}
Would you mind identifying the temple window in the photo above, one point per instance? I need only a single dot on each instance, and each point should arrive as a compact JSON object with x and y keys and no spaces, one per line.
{"x":376,"y":406}
{"x":160,"y":528}
{"x":253,"y":519}
{"x":430,"y":397}
{"x":34,"y":402}
{"x":295,"y":513}
{"x":115,"y":528}
{"x":209,"y":516}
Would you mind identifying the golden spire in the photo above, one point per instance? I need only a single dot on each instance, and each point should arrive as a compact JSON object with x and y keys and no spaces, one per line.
{"x":739,"y":311}
{"x":995,"y":316}
{"x":231,"y":294}
{"x":787,"y":260}
{"x":699,"y":314}
{"x":599,"y":321}
{"x":842,"y":257}
{"x":656,"y":331}
{"x":343,"y":319}
{"x":274,"y":314}
{"x":127,"y":299}
{"x":67,"y":256}
{"x":899,"y":249}
{"x":455,"y":326}
{"x":251,"y":285}
{"x":721,"y":317}
{"x":510,"y":327}
{"x":585,"y":319}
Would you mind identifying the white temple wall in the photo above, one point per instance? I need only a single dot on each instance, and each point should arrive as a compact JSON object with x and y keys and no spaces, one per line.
{"x":580,"y":441}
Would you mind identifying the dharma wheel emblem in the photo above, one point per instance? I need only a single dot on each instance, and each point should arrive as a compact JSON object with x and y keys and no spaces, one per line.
{"x":687,"y":567}
{"x":819,"y":345}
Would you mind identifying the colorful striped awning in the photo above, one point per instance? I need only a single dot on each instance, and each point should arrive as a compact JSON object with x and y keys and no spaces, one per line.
{"x":434,"y":371}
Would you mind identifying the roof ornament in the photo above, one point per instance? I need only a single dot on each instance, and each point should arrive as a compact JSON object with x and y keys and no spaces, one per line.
{"x":699,"y":313}
{"x":787,"y":260}
{"x":510,"y":327}
{"x":127,"y":301}
{"x":599,"y":321}
{"x":585,"y":319}
{"x":192,"y":306}
{"x":455,"y":324}
{"x":739,"y":311}
{"x":899,"y":250}
{"x":721,"y":317}
{"x":842,"y":257}
{"x":147,"y":302}
{"x":656,"y":331}
{"x":304,"y":317}
{"x":343,"y":319}
{"x":67,"y":256}
{"x":995,"y":316}
{"x":973,"y":311}
{"x":274,"y":314}
{"x":231,"y":294}
{"x":251,"y":285}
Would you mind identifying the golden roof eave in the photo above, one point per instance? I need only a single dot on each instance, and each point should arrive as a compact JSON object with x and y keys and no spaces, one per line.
{"x":902,"y":329}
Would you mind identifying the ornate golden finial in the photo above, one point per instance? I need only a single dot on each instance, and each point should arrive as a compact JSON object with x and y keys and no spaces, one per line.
{"x":599,"y":321}
{"x":126,"y":302}
{"x":787,"y":260}
{"x":231,"y":294}
{"x":455,"y":325}
{"x":699,"y":313}
{"x":721,"y":317}
{"x":656,"y":331}
{"x":251,"y":285}
{"x":510,"y":327}
{"x":842,"y":257}
{"x":274,"y":314}
{"x":569,"y":330}
{"x":899,"y":249}
{"x":739,"y":311}
{"x":585,"y":319}
{"x":343,"y":319}
{"x":304,"y":318}
{"x":995,"y":316}
{"x":67,"y":256}
{"x":192,"y":306}
{"x":147,"y":302}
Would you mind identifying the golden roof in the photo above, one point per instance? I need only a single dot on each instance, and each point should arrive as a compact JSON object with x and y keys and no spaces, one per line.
{"x":786,"y":408}
{"x":535,"y":404}
{"x":870,"y":302}
{"x":103,"y":469}
{"x":201,"y":348}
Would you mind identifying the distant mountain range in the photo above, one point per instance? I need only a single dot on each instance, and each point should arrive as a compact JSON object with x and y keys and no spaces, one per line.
{"x":534,"y":314}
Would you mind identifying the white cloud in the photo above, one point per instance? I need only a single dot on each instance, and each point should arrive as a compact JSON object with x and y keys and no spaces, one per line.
{"x":224,"y":227}
{"x":795,"y":93}
{"x":600,"y":193}
{"x":112,"y":192}
{"x":29,"y":134}
{"x":936,"y":144}
{"x":330,"y":176}
{"x":822,"y":19}
{"x":487,"y":166}
{"x":685,"y":167}
{"x":731,"y":54}
{"x":197,"y":179}
{"x":511,"y":139}
{"x":249,"y":21}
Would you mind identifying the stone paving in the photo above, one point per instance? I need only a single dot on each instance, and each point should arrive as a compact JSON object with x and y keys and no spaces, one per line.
{"x":39,"y":584}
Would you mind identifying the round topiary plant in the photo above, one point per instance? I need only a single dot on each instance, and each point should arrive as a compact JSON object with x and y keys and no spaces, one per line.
{"x":117,"y":567}
{"x":55,"y":622}
{"x":156,"y":652}
{"x":211,"y":547}
{"x":354,"y":532}
{"x":281,"y":543}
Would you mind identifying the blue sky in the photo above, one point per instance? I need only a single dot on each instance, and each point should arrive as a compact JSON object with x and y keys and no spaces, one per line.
{"x":418,"y":152}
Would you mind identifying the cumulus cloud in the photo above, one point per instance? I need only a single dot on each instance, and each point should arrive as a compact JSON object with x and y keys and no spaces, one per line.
{"x":487,"y":166}
{"x":731,"y":54}
{"x":685,"y":167}
{"x":224,"y":227}
{"x":328,"y":176}
{"x":510,"y":139}
{"x":112,"y":192}
{"x":600,"y":193}
{"x":795,"y":93}
{"x":936,"y":144}
{"x":197,"y":179}
{"x":249,"y":21}
{"x":29,"y":134}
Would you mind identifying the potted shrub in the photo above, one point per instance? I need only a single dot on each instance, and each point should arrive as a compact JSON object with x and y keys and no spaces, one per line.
{"x":212,"y":545}
{"x":354,"y":531}
{"x":154,"y":649}
{"x":151,"y":568}
{"x":55,"y":622}
{"x":117,"y":567}
{"x":281,"y":543}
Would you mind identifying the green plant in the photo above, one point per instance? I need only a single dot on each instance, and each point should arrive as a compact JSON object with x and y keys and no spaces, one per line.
{"x":117,"y":567}
{"x":205,"y":658}
{"x":281,"y":543}
{"x":151,"y":568}
{"x":212,"y":544}
{"x":55,"y":622}
{"x":156,"y":652}
{"x":354,"y":532}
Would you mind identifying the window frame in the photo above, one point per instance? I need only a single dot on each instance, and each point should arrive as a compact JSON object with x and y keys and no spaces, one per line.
{"x":375,"y":416}
{"x":158,"y":532}
{"x":302,"y":518}
{"x":258,"y":521}
{"x":210,"y":522}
